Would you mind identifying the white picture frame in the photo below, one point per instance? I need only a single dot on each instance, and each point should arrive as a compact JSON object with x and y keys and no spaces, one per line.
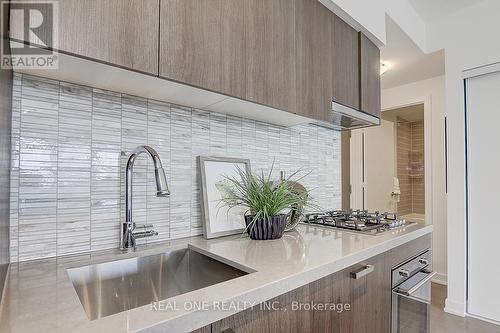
{"x":219,"y":220}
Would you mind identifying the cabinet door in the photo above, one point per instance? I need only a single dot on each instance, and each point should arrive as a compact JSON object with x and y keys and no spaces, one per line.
{"x":345,"y":69}
{"x":369,"y":296}
{"x":120,"y":32}
{"x":332,"y":289}
{"x":370,"y":76}
{"x":278,"y":315}
{"x":313,"y":59}
{"x":270,"y":52}
{"x":202,"y":44}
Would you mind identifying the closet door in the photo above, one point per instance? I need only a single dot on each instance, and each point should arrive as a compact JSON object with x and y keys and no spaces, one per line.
{"x":483,"y":161}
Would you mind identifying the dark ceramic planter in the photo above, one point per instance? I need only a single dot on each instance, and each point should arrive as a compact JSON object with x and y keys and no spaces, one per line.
{"x":270,"y":228}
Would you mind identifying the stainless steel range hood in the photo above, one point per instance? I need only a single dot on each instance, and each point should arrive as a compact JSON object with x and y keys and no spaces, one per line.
{"x":347,"y":118}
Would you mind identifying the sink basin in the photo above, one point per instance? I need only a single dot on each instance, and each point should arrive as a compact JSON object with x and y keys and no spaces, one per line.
{"x":112,"y":287}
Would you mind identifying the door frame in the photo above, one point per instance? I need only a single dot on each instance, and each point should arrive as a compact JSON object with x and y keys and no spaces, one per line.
{"x":357,"y":170}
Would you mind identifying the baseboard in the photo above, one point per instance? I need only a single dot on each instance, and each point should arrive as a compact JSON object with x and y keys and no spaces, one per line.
{"x":483,"y":319}
{"x":454,"y":308}
{"x":440,"y":279}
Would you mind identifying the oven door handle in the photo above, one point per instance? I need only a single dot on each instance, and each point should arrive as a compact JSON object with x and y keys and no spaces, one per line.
{"x":417,"y":286}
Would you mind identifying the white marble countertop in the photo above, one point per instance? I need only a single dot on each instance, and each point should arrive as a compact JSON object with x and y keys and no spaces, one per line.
{"x":39,"y":296}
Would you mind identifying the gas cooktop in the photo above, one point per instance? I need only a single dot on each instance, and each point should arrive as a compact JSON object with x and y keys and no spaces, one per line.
{"x":358,"y":220}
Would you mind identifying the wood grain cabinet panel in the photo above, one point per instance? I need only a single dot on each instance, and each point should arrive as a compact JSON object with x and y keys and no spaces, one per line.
{"x":202,"y":44}
{"x":360,"y":305}
{"x":314,"y":59}
{"x":369,"y":297}
{"x":345,"y":68}
{"x":278,"y":315}
{"x":370,"y":76}
{"x":120,"y":32}
{"x":349,"y":305}
{"x":270,"y":53}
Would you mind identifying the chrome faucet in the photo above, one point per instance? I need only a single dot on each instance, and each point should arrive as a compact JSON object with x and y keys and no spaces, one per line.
{"x":128,"y":231}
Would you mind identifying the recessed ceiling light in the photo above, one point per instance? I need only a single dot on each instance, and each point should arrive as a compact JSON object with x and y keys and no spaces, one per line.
{"x":384,"y":67}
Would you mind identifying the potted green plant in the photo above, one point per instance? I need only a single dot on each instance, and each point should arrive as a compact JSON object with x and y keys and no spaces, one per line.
{"x":269,"y":203}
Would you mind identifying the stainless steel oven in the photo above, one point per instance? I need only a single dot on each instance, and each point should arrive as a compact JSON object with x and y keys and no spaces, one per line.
{"x":411,"y":294}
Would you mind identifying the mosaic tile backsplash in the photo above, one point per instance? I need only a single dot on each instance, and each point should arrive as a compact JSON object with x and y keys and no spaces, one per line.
{"x":70,"y":145}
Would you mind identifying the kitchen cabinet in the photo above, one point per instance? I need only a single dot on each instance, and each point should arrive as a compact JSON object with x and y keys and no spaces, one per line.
{"x":270,"y":53}
{"x":369,"y":55}
{"x":345,"y":68}
{"x":275,"y":316}
{"x":313,"y":26}
{"x":202,"y":44}
{"x":362,"y":303}
{"x":119,"y":32}
{"x":291,"y":55}
{"x":244,"y":49}
{"x":369,"y":297}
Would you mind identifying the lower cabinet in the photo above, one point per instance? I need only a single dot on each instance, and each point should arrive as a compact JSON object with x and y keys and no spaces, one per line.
{"x":354,"y":300}
{"x":368,"y":295}
{"x":336,"y":303}
{"x":275,"y":316}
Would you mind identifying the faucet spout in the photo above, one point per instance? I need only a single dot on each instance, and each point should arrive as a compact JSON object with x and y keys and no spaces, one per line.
{"x":128,"y":237}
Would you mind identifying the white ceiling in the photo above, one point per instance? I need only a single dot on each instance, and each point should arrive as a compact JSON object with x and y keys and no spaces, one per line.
{"x":407,"y":63}
{"x":430,"y":10}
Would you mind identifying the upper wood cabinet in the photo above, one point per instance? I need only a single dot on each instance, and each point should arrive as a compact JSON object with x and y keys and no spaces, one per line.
{"x":292,"y":55}
{"x":369,"y":76}
{"x":314,"y":59}
{"x":346,"y":68}
{"x":242,"y":48}
{"x":120,"y":32}
{"x":202,"y":44}
{"x":270,"y":52}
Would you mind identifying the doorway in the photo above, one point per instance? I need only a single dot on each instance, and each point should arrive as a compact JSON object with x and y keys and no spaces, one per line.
{"x":389,"y":174}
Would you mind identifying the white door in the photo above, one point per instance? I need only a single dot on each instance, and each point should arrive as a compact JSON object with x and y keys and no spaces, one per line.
{"x":376,"y":167}
{"x":379,"y":167}
{"x":483,"y":159}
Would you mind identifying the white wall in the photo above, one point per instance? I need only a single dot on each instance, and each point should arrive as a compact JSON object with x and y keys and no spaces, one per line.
{"x":470,"y":39}
{"x":405,"y":16}
{"x":369,"y":16}
{"x":365,"y":15}
{"x":432,"y":90}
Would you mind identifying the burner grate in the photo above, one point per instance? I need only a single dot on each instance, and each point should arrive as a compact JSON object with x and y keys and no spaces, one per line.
{"x":356,"y":220}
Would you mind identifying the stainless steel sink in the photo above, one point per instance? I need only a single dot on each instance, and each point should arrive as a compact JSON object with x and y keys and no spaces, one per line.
{"x":112,"y":287}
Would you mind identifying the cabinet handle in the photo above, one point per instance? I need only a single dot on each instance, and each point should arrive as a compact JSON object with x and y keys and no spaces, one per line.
{"x":404,"y":272}
{"x":423,"y":261}
{"x":228,"y":330}
{"x":363,"y":272}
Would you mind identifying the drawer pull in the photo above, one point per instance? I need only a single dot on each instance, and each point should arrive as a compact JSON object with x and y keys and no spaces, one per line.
{"x":228,"y":330}
{"x":363,"y":272}
{"x":423,"y":261}
{"x":404,"y":272}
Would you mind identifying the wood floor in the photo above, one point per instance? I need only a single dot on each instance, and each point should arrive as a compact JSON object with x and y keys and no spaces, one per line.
{"x":442,"y":322}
